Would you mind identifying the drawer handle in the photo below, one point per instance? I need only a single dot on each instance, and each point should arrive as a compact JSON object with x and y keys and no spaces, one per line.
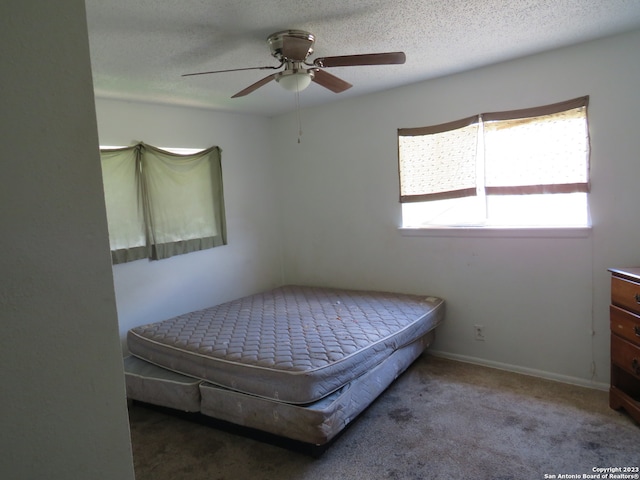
{"x":635,"y":365}
{"x":636,"y":330}
{"x":637,"y":297}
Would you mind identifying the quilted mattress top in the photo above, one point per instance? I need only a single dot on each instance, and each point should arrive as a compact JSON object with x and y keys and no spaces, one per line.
{"x":292,"y":344}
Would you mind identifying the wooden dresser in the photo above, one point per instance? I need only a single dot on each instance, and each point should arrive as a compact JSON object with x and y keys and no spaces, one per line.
{"x":625,"y":340}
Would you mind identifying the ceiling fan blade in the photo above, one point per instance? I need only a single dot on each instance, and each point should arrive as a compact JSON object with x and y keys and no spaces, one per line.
{"x":331,"y":82}
{"x":232,"y":70}
{"x":392,"y":58}
{"x":255,"y":86}
{"x":295,"y":48}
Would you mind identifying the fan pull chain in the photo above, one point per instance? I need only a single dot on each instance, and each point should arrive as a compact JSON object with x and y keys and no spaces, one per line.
{"x":298,"y":115}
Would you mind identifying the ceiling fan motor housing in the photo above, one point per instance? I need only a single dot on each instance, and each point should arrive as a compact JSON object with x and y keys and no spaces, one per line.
{"x":295,"y":45}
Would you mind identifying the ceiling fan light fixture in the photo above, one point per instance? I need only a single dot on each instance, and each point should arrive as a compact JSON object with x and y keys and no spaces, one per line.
{"x":294,"y":80}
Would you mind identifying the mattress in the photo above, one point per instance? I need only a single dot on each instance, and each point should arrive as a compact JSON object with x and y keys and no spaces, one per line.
{"x":293,"y":344}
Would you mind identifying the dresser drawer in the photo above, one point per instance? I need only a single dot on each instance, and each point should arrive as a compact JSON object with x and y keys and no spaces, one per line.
{"x":625,"y":294}
{"x":625,"y":355}
{"x":625,"y":324}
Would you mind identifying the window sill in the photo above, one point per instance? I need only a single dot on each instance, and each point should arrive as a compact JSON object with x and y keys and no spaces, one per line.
{"x":496,"y":232}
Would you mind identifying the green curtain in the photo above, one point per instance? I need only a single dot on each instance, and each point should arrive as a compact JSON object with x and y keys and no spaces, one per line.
{"x":123,"y":198}
{"x":161,"y":204}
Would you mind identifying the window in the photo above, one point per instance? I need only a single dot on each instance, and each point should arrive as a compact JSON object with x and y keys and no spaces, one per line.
{"x":522,"y":168}
{"x":160,"y":203}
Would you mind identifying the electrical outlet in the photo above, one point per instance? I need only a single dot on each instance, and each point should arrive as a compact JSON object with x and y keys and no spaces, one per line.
{"x":479,"y":329}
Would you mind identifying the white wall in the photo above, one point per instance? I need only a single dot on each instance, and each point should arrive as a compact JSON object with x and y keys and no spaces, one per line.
{"x":148,"y":291}
{"x":62,"y":391}
{"x":536,"y":297}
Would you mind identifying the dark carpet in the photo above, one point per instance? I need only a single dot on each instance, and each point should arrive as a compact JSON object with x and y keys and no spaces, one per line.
{"x":441,"y":419}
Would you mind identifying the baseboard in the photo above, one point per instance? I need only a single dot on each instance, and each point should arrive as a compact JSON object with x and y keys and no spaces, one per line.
{"x":581,"y":382}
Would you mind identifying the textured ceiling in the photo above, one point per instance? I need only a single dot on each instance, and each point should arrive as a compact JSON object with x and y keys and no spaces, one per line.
{"x":140,"y":48}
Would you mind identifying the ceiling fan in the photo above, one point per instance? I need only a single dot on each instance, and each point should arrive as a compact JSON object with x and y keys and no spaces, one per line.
{"x":292,"y":48}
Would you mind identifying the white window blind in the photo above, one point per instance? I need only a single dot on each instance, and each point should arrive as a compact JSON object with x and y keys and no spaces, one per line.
{"x":438,"y":162}
{"x":537,"y":154}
